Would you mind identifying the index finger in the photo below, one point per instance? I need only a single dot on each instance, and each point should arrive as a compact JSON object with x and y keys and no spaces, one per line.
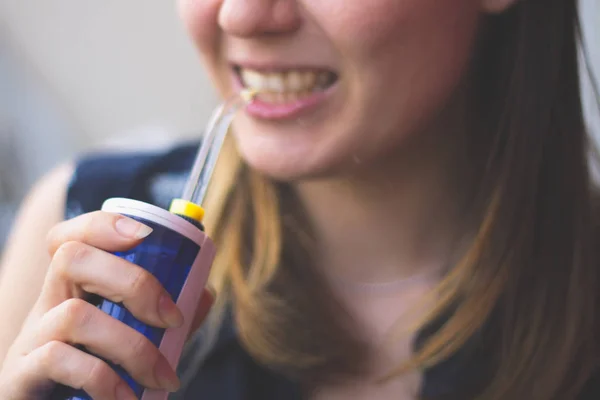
{"x":106,"y":231}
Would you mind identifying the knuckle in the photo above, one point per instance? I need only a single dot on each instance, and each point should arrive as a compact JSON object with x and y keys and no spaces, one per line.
{"x":100,"y":374}
{"x":142,"y":282}
{"x":76,"y":313}
{"x":141,"y":348}
{"x":91,"y":222}
{"x":51,"y":237}
{"x":50,"y":354}
{"x":67,"y":254}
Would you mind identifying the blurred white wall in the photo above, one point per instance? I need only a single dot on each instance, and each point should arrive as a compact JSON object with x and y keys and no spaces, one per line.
{"x":112,"y":65}
{"x":590,"y":15}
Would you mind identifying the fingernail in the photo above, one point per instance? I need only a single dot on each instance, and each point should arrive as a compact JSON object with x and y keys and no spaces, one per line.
{"x":124,"y":392}
{"x":168,"y":312}
{"x":132,"y":229}
{"x":165,"y":376}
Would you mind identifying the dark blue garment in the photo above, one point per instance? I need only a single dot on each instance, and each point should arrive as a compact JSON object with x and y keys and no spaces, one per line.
{"x":228,"y":372}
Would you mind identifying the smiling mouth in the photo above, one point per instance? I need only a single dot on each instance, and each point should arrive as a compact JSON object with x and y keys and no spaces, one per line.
{"x":285,"y":86}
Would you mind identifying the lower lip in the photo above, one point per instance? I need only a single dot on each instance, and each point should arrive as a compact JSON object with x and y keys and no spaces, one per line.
{"x":280,"y":111}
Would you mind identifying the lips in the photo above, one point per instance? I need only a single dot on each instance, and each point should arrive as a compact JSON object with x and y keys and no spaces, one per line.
{"x":285,"y":93}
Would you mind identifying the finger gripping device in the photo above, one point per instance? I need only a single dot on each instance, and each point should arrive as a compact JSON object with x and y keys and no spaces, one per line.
{"x":177,"y":252}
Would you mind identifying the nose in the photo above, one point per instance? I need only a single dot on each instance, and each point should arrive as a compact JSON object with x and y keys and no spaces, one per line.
{"x":247,"y":18}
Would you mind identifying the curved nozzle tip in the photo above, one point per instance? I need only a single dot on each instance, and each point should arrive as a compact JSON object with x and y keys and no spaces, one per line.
{"x":248,"y":94}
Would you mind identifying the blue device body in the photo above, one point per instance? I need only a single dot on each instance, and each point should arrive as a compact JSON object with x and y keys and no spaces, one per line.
{"x":169,"y":256}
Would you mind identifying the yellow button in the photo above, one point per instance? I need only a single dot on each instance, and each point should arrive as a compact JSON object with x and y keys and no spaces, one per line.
{"x":187,"y":209}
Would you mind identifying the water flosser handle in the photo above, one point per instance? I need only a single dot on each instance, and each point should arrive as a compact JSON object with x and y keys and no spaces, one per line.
{"x":179,"y":254}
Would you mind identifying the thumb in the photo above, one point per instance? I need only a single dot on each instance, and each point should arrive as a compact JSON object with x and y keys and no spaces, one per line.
{"x":207,"y":300}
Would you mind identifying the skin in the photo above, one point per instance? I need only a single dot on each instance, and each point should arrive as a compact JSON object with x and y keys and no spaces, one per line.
{"x":385,"y":147}
{"x":401,"y":65}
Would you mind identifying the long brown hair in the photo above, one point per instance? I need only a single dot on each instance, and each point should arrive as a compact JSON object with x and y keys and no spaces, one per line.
{"x":531,"y":271}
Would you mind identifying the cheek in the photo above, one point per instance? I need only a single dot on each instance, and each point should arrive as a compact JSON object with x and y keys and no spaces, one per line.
{"x":200,"y":20}
{"x":400,"y":40}
{"x":402,"y":55}
{"x":425,"y":51}
{"x":402,"y":59}
{"x":373,"y":24}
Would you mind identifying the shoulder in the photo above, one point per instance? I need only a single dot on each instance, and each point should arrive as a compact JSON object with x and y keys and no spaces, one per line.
{"x":24,"y":258}
{"x":42,"y":208}
{"x":151,"y":176}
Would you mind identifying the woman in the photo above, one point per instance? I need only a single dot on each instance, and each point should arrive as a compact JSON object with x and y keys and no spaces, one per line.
{"x":405,"y":212}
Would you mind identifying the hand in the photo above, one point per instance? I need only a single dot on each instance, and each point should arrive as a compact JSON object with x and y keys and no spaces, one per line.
{"x":46,"y":353}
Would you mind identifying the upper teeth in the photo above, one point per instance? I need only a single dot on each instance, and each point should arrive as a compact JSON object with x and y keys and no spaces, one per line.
{"x":281,"y":82}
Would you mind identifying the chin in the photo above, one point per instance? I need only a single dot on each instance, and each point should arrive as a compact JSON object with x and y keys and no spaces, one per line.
{"x":285,"y":163}
{"x":276,"y":165}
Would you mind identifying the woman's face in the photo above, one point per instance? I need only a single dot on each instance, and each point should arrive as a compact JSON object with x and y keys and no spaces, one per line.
{"x":343,"y":82}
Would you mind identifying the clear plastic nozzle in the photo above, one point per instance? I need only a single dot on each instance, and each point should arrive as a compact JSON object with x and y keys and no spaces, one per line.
{"x":207,"y":156}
